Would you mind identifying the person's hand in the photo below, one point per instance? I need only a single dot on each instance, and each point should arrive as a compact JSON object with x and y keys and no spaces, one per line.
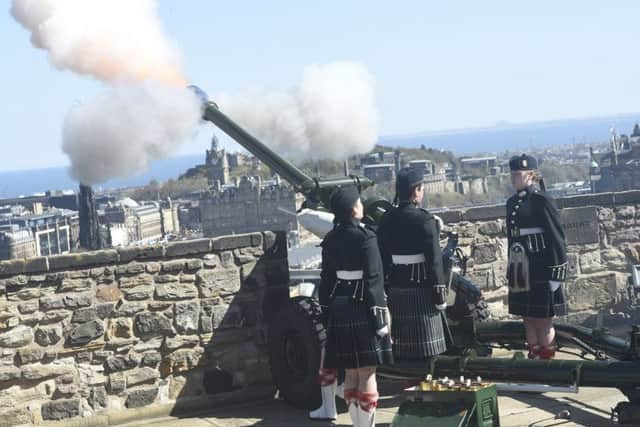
{"x":441,"y":307}
{"x":554,"y":285}
{"x":382,"y":332}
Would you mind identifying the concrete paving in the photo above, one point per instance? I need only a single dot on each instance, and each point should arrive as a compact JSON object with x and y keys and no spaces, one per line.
{"x":591,"y":407}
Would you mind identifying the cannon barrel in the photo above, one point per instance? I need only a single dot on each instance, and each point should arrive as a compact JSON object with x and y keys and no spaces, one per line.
{"x":315,"y":190}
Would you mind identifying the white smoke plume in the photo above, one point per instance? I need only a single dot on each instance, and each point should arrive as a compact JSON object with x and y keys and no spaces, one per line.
{"x":147,"y":112}
{"x":127,"y":127}
{"x":111,"y":40}
{"x":331,"y":114}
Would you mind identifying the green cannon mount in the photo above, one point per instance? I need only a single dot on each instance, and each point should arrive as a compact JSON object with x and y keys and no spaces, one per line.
{"x":609,"y":361}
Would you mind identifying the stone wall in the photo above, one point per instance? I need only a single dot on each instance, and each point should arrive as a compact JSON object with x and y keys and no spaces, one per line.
{"x":88,"y":333}
{"x":603,"y":232}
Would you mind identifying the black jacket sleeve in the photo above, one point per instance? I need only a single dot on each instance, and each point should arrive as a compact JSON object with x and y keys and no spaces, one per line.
{"x":373,"y":277}
{"x":432,"y":251}
{"x":327,"y":276}
{"x":553,"y":229}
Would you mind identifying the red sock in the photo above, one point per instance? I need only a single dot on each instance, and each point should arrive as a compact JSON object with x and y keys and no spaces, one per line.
{"x":368,"y":400}
{"x":547,"y":352}
{"x":351,"y":395}
{"x":327,"y":376}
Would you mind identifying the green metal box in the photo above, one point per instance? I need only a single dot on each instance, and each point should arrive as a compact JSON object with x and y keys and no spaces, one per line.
{"x":468,"y":407}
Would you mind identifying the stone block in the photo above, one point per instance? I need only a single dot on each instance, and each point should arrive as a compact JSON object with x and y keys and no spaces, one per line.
{"x":142,"y":397}
{"x":627,"y":197}
{"x":151,"y":359}
{"x":613,"y":259}
{"x":573,"y":265}
{"x":592,"y":292}
{"x":485,"y":213}
{"x":189,"y":247}
{"x":186,"y":317}
{"x":122,"y":362}
{"x":55,"y":316}
{"x":15,"y":416}
{"x":28,"y":355}
{"x":117,"y":382}
{"x":175,"y":266}
{"x":491,"y":228}
{"x":599,"y":199}
{"x":28,"y":294}
{"x":17,"y":337}
{"x":173,"y":343}
{"x":590,"y":262}
{"x":128,"y":309}
{"x":77,"y":300}
{"x":98,"y":398}
{"x":120,"y":328}
{"x":141,"y":253}
{"x":167,"y":278}
{"x":193,"y":264}
{"x":85,"y":333}
{"x":139,"y":376}
{"x":152,"y":324}
{"x":76,"y":285}
{"x":39,"y":371}
{"x":83,"y":315}
{"x":450,"y":217}
{"x":130,"y":268}
{"x":61,"y":409}
{"x":51,"y":302}
{"x":138,"y":293}
{"x":153,"y":267}
{"x":211,"y":260}
{"x":212,"y":283}
{"x":108,"y":294}
{"x":104,"y":310}
{"x":484,"y":253}
{"x":9,"y":373}
{"x":21,"y":266}
{"x":173,"y":291}
{"x":226,"y":243}
{"x":83,"y":260}
{"x":28,"y":307}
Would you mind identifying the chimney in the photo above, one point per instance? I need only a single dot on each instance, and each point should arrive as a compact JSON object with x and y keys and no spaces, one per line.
{"x":89,"y":227}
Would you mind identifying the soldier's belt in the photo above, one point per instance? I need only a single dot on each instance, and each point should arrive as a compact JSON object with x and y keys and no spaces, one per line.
{"x":408,"y":259}
{"x":350,"y":274}
{"x":517,"y":232}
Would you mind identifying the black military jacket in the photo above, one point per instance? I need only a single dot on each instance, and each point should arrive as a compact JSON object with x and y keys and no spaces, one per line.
{"x":408,"y":230}
{"x":353,"y":246}
{"x":532,"y":208}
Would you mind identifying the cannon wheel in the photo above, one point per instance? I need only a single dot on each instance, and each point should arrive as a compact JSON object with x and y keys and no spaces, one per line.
{"x":295,"y":340}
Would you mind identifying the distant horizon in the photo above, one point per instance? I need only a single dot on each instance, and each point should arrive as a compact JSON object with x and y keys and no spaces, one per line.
{"x":500,"y":125}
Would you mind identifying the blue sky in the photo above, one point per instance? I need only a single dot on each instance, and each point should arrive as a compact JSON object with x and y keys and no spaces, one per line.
{"x":438,"y":64}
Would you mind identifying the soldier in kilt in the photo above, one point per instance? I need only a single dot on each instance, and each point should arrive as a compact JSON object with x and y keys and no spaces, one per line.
{"x":353,"y":300}
{"x":409,"y":243}
{"x":537,"y":257}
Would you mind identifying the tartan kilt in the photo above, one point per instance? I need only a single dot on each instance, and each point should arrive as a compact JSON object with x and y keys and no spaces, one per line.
{"x":351,"y":339}
{"x":539,"y":301}
{"x":417,"y":330}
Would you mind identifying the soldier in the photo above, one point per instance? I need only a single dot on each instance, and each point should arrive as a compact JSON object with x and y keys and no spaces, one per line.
{"x":409,"y":243}
{"x":537,"y":257}
{"x":353,"y":300}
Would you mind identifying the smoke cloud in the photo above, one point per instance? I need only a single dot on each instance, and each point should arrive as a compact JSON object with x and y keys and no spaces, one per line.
{"x":123,"y":130}
{"x":331,"y":114}
{"x":111,"y":40}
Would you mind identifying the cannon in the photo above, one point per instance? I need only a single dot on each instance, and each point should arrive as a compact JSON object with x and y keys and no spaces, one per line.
{"x":295,"y":333}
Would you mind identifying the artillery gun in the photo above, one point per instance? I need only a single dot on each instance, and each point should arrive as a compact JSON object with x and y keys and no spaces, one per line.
{"x":295,"y":333}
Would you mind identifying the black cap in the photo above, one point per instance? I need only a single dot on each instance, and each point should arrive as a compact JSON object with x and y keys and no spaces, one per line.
{"x":405,"y":180}
{"x":523,"y":163}
{"x":342,"y":201}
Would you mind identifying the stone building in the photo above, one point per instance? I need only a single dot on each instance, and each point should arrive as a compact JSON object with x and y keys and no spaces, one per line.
{"x":55,"y":231}
{"x":619,"y":169}
{"x":251,"y":205}
{"x":144,"y":223}
{"x":217,"y":164}
{"x":379,"y":173}
{"x":17,"y":244}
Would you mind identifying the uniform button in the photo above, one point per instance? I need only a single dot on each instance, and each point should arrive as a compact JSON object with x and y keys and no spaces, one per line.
{"x":517,"y":206}
{"x":520,"y":201}
{"x":513,"y":222}
{"x":513,"y":213}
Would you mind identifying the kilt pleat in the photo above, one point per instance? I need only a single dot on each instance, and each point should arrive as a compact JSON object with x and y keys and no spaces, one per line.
{"x":539,"y":301}
{"x":417,"y":329}
{"x":351,"y":340}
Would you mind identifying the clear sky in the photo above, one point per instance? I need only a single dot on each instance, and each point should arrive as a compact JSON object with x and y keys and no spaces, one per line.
{"x":438,"y":64}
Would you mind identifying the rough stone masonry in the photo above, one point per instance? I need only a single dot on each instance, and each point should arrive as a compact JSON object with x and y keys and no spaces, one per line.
{"x":85,"y":333}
